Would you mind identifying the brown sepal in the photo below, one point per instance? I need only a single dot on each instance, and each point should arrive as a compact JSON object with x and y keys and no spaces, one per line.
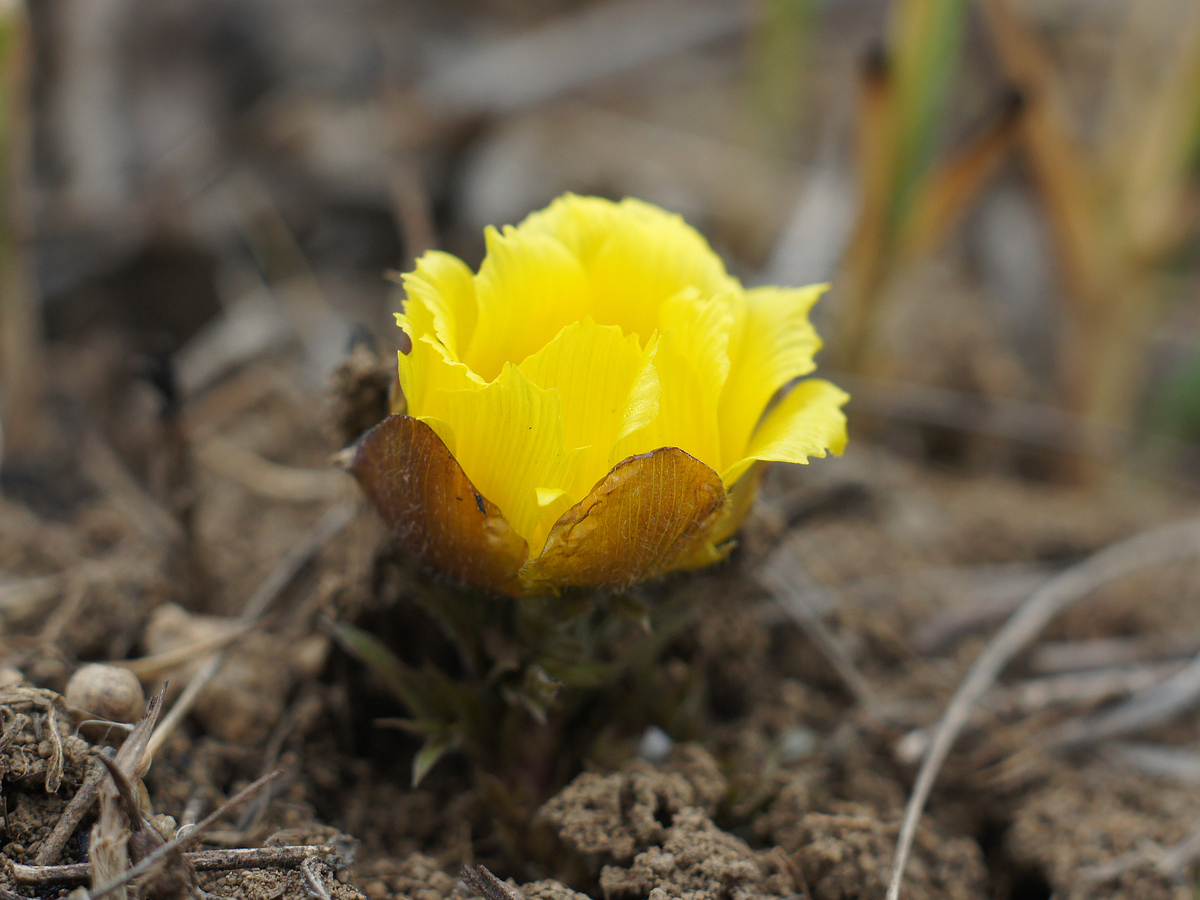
{"x":643,"y":519}
{"x":422,"y":493}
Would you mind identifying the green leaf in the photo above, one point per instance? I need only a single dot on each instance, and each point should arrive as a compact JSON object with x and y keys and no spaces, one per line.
{"x":399,"y":677}
{"x":427,"y":758}
{"x":631,"y":608}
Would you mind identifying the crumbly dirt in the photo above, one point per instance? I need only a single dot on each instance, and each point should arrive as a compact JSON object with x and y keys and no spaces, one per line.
{"x":278,"y":884}
{"x":846,"y":855}
{"x":695,"y":859}
{"x":42,"y":763}
{"x":613,"y":817}
{"x":1095,"y":814}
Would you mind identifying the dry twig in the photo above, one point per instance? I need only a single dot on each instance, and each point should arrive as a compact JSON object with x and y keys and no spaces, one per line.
{"x":73,"y":814}
{"x":226,"y":860}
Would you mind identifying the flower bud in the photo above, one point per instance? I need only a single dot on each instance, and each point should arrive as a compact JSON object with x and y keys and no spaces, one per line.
{"x":590,"y":409}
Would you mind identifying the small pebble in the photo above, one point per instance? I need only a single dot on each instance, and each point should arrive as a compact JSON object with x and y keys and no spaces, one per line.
{"x":911,"y":748}
{"x":655,"y":745}
{"x":796,"y":742}
{"x":106,"y":692}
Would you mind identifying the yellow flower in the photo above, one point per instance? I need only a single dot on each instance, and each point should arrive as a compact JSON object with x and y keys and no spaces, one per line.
{"x":588,"y":409}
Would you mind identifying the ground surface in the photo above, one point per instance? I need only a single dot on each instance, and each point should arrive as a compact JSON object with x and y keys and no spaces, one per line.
{"x":214,"y":193}
{"x":785,"y":779}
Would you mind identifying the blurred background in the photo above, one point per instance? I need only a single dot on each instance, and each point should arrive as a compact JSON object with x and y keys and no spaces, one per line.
{"x":1003,"y":193}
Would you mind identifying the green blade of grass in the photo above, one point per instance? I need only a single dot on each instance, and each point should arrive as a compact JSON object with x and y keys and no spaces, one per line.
{"x":926,"y":39}
{"x":399,"y":678}
{"x":778,"y":61}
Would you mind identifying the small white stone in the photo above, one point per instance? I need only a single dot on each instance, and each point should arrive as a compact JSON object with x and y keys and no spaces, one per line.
{"x":655,"y":744}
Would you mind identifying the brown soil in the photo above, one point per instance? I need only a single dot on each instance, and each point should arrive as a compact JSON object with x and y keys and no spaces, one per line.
{"x":780,"y":784}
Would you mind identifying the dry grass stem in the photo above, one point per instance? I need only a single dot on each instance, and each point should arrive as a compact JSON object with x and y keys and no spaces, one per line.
{"x":572,"y":51}
{"x":312,"y":879}
{"x":269,"y":479}
{"x":1172,"y":763}
{"x":15,"y":727}
{"x":1074,"y":656}
{"x":114,"y":836}
{"x":1152,"y":706}
{"x":23,"y":596}
{"x":100,"y":465}
{"x":413,"y":209}
{"x":149,"y":668}
{"x":784,"y":576}
{"x":46,"y":701}
{"x":23,"y":372}
{"x":982,"y":606}
{"x":481,"y":880}
{"x":1161,"y":545}
{"x":181,"y":841}
{"x":327,"y":527}
{"x":1032,"y":424}
{"x":1171,"y":861}
{"x":1082,"y":688}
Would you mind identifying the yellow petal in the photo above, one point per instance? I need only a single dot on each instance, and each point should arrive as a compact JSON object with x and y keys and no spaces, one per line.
{"x":771,"y":344}
{"x":547,"y":496}
{"x":422,"y":493}
{"x":806,"y":423}
{"x":581,"y":223}
{"x":529,"y":286}
{"x":636,"y":257}
{"x":508,"y":438}
{"x":701,"y":325}
{"x":687,"y":413}
{"x":606,"y":386}
{"x":441,"y":301}
{"x":741,"y":501}
{"x":642,"y":406}
{"x":648,"y":513}
{"x":649,"y":256}
{"x":428,"y":369}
